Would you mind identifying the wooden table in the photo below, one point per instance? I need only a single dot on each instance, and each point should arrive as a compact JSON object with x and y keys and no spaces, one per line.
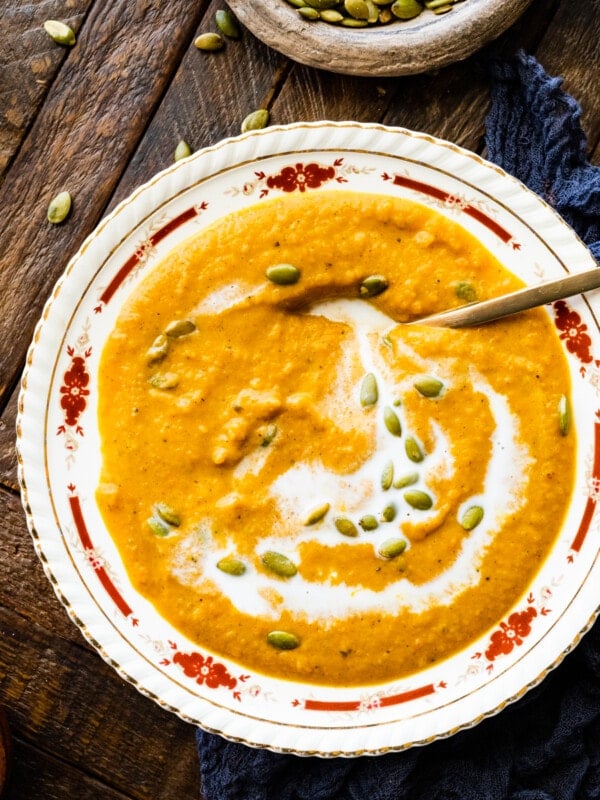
{"x":99,"y":119}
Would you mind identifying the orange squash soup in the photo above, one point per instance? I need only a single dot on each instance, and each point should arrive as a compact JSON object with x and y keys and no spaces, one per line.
{"x":302,"y":483}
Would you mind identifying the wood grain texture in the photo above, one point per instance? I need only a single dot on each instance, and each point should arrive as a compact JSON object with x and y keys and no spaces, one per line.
{"x":29,"y":62}
{"x":65,"y":700}
{"x":81,"y":141}
{"x":8,"y":454}
{"x":207,"y":100}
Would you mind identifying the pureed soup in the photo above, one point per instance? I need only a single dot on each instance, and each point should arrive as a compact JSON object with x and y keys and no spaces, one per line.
{"x":300,"y":483}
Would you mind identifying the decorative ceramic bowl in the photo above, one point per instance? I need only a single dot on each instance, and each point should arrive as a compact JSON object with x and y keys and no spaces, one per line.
{"x":59,"y":447}
{"x":424,"y":43}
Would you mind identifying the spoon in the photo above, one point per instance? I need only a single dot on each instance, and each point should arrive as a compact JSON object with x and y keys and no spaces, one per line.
{"x":487,"y":310}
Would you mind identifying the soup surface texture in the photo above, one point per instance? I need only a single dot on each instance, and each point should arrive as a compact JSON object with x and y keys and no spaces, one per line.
{"x":301,"y":483}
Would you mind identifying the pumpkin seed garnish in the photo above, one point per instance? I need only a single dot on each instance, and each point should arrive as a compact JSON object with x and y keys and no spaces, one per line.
{"x":256,"y":120}
{"x":465,"y":291}
{"x":283,"y":640}
{"x":392,"y":422}
{"x":164,"y":380}
{"x":428,"y":386}
{"x":59,"y":208}
{"x":268,"y":433}
{"x":406,"y":480}
{"x":418,"y":499}
{"x":389,"y":513}
{"x":413,"y":450}
{"x":317,"y":514}
{"x":357,"y":9}
{"x":406,"y":9}
{"x":283,"y":274}
{"x":167,"y":514}
{"x":345,"y":526}
{"x":392,"y":548}
{"x":183,"y":150}
{"x":368,"y":522}
{"x":387,"y":476}
{"x":472,"y":517}
{"x":231,"y":566}
{"x":158,"y":350}
{"x":279,"y":564}
{"x":180,"y":327}
{"x":158,"y":526}
{"x":373,"y":285}
{"x":60,"y":32}
{"x":564,"y":415}
{"x":227,"y":23}
{"x":369,"y":393}
{"x":331,"y":15}
{"x":209,"y":42}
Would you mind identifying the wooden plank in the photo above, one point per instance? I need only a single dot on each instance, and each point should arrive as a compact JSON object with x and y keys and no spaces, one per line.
{"x":29,"y":62}
{"x":81,"y":141}
{"x":24,"y":588}
{"x":8,"y":455}
{"x":36,"y":775}
{"x":67,"y":702}
{"x":206,"y":101}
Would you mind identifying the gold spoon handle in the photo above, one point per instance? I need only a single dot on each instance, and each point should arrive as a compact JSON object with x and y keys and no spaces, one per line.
{"x":487,"y":310}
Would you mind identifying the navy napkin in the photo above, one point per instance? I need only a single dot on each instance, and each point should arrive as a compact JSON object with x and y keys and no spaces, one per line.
{"x":547,"y":745}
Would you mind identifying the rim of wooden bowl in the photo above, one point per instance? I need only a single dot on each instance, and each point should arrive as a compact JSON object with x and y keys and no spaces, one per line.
{"x":425,"y":43}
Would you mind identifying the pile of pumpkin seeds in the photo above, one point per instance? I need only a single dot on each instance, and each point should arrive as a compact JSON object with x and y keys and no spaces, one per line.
{"x":365,"y":13}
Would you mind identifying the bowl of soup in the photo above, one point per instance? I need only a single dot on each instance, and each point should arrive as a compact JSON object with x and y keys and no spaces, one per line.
{"x":271,"y":495}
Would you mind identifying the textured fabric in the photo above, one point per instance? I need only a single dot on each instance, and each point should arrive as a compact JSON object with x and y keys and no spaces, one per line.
{"x":547,"y":745}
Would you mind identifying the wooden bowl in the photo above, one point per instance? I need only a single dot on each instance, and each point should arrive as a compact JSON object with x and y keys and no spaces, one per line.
{"x":425,"y":43}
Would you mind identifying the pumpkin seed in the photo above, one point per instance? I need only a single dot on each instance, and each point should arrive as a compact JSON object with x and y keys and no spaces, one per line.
{"x":387,"y":476}
{"x":564,"y":415}
{"x":209,"y":42}
{"x":392,"y":423}
{"x":418,"y":499}
{"x":369,"y":393}
{"x":406,"y":480}
{"x":406,"y":9}
{"x":164,"y":380}
{"x":227,"y":23}
{"x":472,"y":517}
{"x":60,"y":32}
{"x":373,"y":12}
{"x":158,"y":350}
{"x":167,"y":514}
{"x":309,"y":13}
{"x":389,"y":513}
{"x":183,"y":150}
{"x":357,"y":9}
{"x":331,"y":15}
{"x":268,"y":433}
{"x":368,"y":522}
{"x":297,"y":3}
{"x":465,"y":291}
{"x":180,"y":327}
{"x":317,"y":514}
{"x":392,"y":548}
{"x":345,"y":526}
{"x":59,"y":208}
{"x":283,"y":640}
{"x":385,"y":16}
{"x":231,"y":566}
{"x":373,"y":285}
{"x":158,"y":526}
{"x":350,"y":22}
{"x":255,"y":120}
{"x":413,"y":451}
{"x":279,"y":564}
{"x":283,"y":274}
{"x":428,"y":386}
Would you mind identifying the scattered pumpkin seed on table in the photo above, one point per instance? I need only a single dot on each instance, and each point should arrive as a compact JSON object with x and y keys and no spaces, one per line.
{"x":227,"y":23}
{"x":255,"y":120}
{"x":59,"y":208}
{"x":209,"y":42}
{"x":60,"y":32}
{"x":183,"y":150}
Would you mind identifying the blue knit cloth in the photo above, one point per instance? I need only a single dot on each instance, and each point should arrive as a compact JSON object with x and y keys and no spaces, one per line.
{"x":547,"y":745}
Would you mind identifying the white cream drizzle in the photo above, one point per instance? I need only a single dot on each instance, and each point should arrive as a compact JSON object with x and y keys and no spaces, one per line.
{"x":307,"y":485}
